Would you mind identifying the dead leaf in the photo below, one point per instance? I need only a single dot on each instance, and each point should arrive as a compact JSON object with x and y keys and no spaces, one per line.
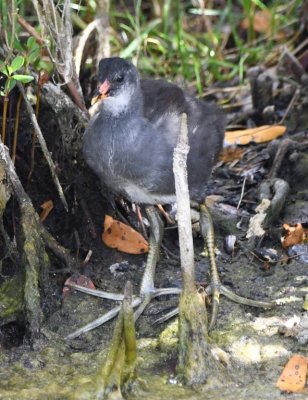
{"x":229,"y":154}
{"x":293,"y":234}
{"x":47,"y":207}
{"x":43,"y":77}
{"x":261,"y":134}
{"x":123,"y":237}
{"x":80,"y":280}
{"x":293,"y":377}
{"x":261,"y":22}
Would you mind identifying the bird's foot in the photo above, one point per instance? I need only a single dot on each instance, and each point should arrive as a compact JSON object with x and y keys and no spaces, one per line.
{"x":215,"y":292}
{"x":218,"y":289}
{"x":143,"y":300}
{"x":140,"y":301}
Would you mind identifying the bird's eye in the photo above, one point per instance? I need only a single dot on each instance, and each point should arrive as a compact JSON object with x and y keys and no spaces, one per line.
{"x":119,"y":78}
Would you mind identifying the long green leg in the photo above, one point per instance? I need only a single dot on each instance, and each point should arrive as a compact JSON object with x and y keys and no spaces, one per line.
{"x":216,"y":288}
{"x":147,"y":289}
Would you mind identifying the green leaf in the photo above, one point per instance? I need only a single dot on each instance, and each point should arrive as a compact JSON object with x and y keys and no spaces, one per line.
{"x":17,"y":63}
{"x":18,"y":46}
{"x":45,"y":65}
{"x":31,"y":42}
{"x":23,"y":78}
{"x":11,"y":85}
{"x":4,"y":71}
{"x":2,"y":93}
{"x":34,"y":55}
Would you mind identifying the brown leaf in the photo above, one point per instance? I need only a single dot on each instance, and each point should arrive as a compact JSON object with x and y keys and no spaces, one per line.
{"x":293,"y":377}
{"x":293,"y":234}
{"x":80,"y":280}
{"x":123,"y":237}
{"x":261,"y":22}
{"x":46,"y":209}
{"x":43,"y":77}
{"x":229,"y":154}
{"x":257,"y":135}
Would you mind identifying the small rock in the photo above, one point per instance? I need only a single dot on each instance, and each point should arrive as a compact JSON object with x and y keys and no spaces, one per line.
{"x":300,"y":250}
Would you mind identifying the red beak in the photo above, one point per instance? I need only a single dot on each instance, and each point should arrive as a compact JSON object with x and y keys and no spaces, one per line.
{"x":102,"y":92}
{"x":104,"y":88}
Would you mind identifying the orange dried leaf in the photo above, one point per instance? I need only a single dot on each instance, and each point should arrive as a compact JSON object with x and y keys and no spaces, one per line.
{"x":257,"y":135}
{"x":293,"y":377}
{"x":46,"y":209}
{"x":293,"y":234}
{"x":123,"y":237}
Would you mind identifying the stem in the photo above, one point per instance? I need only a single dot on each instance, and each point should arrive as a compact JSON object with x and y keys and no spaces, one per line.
{"x":4,"y":114}
{"x":42,"y":142}
{"x":37,"y":109}
{"x":16,"y":127}
{"x":183,"y":208}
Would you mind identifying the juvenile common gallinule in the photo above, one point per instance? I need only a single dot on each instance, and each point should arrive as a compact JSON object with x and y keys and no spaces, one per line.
{"x":130,"y":141}
{"x":129,"y":144}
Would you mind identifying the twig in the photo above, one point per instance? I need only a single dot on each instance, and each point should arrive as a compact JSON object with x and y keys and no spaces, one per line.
{"x":283,"y":148}
{"x":60,"y":251}
{"x":242,"y":192}
{"x":195,"y":360}
{"x":43,"y":146}
{"x":290,"y":106}
{"x":16,"y":127}
{"x":33,"y":136}
{"x":82,"y":40}
{"x":101,"y":26}
{"x":29,"y":28}
{"x":165,"y":214}
{"x":183,"y":208}
{"x":60,"y":31}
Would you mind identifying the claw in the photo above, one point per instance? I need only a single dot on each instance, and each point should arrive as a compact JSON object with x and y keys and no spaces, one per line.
{"x":148,"y":291}
{"x":215,"y":307}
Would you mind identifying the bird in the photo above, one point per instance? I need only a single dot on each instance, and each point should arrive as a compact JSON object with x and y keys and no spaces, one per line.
{"x":129,"y":145}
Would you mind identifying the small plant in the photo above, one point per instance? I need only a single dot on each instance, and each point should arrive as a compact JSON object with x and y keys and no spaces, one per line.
{"x":9,"y":70}
{"x":12,"y":78}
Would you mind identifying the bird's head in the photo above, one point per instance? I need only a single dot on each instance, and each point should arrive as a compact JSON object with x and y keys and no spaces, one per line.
{"x":118,"y":81}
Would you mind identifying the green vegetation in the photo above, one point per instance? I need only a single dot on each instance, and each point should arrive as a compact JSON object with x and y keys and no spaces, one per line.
{"x":181,"y":40}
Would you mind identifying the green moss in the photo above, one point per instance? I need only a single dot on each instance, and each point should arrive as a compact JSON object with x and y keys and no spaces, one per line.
{"x":11,"y":297}
{"x":169,"y":339}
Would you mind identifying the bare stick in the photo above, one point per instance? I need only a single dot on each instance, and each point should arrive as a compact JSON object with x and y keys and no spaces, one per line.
{"x":29,"y":28}
{"x":183,"y":208}
{"x":42,"y":142}
{"x":196,"y":362}
{"x":59,"y":29}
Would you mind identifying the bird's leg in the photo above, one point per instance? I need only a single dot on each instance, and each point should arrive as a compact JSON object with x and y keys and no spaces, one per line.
{"x":147,"y":289}
{"x":216,"y":288}
{"x":207,"y":231}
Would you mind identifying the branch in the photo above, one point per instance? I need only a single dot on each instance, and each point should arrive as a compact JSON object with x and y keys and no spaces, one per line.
{"x":183,"y":208}
{"x":60,"y":31}
{"x":42,"y":142}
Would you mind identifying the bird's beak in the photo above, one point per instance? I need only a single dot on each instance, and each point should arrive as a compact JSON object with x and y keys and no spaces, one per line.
{"x":101,"y":93}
